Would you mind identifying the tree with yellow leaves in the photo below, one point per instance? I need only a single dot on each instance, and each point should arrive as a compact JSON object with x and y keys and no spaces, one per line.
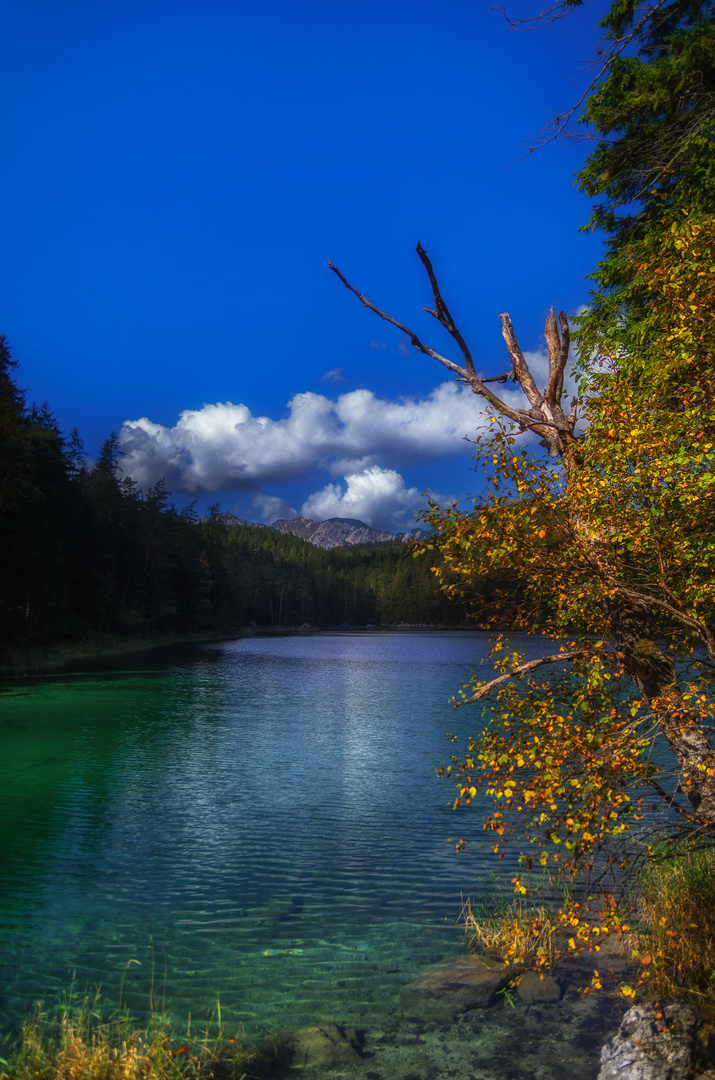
{"x":611,"y":539}
{"x":606,"y":542}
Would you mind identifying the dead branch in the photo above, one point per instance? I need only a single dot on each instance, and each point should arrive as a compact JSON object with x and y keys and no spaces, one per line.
{"x":670,"y":800}
{"x":521,"y":368}
{"x":469,"y":377}
{"x":545,"y":416}
{"x":441,"y":311}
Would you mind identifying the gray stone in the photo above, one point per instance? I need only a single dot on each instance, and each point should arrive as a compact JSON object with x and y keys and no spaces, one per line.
{"x":452,"y":986}
{"x":321,"y":1046}
{"x":536,"y":986}
{"x":654,"y":1044}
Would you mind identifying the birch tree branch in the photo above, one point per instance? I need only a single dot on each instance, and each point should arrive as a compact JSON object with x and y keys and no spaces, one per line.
{"x":523,"y":669}
{"x":687,"y":620}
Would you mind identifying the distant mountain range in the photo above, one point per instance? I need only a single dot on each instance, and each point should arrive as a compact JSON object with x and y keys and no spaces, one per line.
{"x":335,"y":532}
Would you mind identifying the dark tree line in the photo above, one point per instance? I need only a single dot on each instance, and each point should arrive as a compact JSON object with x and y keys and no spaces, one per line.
{"x":86,"y":555}
{"x":281,"y":580}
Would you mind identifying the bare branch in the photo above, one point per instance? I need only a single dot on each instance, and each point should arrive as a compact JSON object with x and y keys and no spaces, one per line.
{"x":441,"y":311}
{"x":414,"y":339}
{"x":501,"y":378}
{"x":521,"y":368}
{"x":548,"y":15}
{"x":469,"y":377}
{"x":670,"y":800}
{"x":523,"y":669}
{"x":544,"y":417}
{"x":565,"y":346}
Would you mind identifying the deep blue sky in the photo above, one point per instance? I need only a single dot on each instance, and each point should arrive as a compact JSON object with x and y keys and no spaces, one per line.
{"x":175,"y":176}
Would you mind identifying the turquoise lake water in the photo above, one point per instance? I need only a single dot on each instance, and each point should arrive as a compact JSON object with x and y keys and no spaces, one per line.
{"x":258,"y":819}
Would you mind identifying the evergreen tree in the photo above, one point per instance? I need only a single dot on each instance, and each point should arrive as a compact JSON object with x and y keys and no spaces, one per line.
{"x":654,"y":116}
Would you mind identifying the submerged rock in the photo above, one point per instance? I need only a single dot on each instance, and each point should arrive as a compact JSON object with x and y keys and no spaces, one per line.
{"x":452,"y":986}
{"x":536,"y":986}
{"x":654,"y":1044}
{"x":321,"y":1046}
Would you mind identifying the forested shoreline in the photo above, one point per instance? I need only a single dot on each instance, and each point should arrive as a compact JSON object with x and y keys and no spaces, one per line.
{"x":88,"y":557}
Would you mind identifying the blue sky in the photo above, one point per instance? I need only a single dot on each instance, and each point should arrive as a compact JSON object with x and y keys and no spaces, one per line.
{"x":177,"y":174}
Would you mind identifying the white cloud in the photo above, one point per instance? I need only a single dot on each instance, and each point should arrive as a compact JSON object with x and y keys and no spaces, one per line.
{"x":357,"y":439}
{"x":225,"y":447}
{"x":335,"y":375}
{"x":376,"y":496}
{"x":269,"y":508}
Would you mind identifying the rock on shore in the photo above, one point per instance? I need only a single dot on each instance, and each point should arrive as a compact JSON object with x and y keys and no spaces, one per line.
{"x":450,"y":987}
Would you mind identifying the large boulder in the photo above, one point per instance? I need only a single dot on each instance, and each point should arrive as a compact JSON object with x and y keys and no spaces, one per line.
{"x":321,"y":1046}
{"x":452,"y":986}
{"x":654,"y":1043}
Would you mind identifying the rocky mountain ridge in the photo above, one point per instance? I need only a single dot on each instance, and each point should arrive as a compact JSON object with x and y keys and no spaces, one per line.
{"x":333,"y":532}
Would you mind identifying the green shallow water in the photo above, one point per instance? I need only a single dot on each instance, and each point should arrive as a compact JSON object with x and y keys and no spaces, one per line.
{"x":259,"y":818}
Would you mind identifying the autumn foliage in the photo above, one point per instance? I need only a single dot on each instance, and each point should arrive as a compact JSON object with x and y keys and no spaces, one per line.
{"x":576,"y":756}
{"x":597,"y":517}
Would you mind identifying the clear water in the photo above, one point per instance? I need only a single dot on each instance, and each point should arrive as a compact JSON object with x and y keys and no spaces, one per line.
{"x":259,"y":818}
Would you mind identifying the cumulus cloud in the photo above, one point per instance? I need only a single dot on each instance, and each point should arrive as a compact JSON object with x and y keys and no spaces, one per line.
{"x":376,"y":496}
{"x":356,"y":438}
{"x":225,"y":447}
{"x":268,"y":508}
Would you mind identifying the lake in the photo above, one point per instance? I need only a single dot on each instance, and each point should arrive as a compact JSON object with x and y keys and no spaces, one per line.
{"x":257,"y":819}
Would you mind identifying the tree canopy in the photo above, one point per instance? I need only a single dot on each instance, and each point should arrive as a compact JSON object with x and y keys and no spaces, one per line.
{"x":608,"y":544}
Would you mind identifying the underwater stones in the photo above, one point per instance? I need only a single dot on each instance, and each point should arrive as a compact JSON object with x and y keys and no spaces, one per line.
{"x":452,"y":986}
{"x":653,"y":1044}
{"x":536,"y":986}
{"x":322,"y":1046}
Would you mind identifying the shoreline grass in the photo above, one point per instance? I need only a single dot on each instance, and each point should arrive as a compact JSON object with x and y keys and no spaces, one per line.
{"x":79,"y":1040}
{"x":675,"y":931}
{"x":666,"y":927}
{"x":521,"y":933}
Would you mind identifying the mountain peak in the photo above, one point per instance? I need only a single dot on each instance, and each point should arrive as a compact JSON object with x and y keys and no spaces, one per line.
{"x":333,"y":532}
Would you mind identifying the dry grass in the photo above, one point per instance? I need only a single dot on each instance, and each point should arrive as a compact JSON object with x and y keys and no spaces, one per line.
{"x":524,"y":934}
{"x":676,"y":935}
{"x":76,"y":1042}
{"x":671,"y":936}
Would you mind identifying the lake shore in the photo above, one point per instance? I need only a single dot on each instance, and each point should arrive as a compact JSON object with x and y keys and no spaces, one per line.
{"x":40,"y":659}
{"x":27,"y":659}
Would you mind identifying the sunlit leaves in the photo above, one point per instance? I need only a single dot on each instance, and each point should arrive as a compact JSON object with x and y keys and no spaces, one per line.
{"x":627,"y":518}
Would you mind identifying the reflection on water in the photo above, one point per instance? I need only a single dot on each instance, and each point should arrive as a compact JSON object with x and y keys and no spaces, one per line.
{"x":259,"y":817}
